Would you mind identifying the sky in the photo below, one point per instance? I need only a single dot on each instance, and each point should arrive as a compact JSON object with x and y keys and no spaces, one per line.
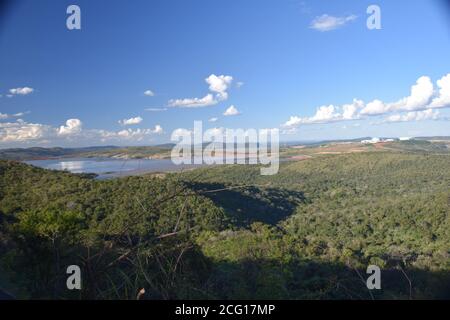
{"x":137,"y":71}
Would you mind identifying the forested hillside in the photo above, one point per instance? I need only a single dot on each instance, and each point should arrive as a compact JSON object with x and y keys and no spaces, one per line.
{"x":226,"y":232}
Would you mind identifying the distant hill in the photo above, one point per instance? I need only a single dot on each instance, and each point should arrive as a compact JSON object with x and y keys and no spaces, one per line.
{"x":35,"y":153}
{"x":421,"y":146}
{"x":435,"y":138}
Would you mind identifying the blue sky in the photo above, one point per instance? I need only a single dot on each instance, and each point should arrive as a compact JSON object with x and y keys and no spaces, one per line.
{"x":276,"y":61}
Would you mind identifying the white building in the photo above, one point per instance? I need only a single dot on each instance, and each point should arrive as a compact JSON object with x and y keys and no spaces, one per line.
{"x":372,"y":141}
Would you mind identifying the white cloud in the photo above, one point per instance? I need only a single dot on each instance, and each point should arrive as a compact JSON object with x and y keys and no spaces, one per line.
{"x":149,"y":93}
{"x":155,"y":109}
{"x":293,"y":121}
{"x":158,"y":129}
{"x":350,"y":111}
{"x":131,"y":121}
{"x":443,"y":98}
{"x":73,"y":126}
{"x":206,"y":101}
{"x":239,"y":84}
{"x":21,"y":91}
{"x":421,"y":94}
{"x":422,"y":98}
{"x":129,"y":134}
{"x":21,"y":131}
{"x":213,"y":119}
{"x":217,"y":85}
{"x":327,"y":23}
{"x":125,"y":135}
{"x":180,"y":132}
{"x":231,"y":111}
{"x":324,"y":114}
{"x":429,"y":114}
{"x":16,"y":115}
{"x":376,"y":107}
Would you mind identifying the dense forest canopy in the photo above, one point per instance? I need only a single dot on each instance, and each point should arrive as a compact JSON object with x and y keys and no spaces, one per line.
{"x":226,"y":232}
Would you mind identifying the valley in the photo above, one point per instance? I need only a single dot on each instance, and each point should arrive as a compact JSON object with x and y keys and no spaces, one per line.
{"x":226,"y":232}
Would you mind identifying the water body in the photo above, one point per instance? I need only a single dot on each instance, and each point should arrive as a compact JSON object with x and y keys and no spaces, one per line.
{"x":107,"y":167}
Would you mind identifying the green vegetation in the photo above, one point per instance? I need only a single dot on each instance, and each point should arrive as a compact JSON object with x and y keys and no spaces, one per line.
{"x":422,"y":146}
{"x":227,"y":232}
{"x":125,"y":233}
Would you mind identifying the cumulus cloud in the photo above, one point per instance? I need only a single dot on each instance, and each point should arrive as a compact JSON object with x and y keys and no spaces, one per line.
{"x":421,"y":94}
{"x":376,"y":107}
{"x":149,"y":93}
{"x":231,"y":111}
{"x":442,"y":100}
{"x":21,"y":91}
{"x":213,"y":119}
{"x":419,"y":98}
{"x":18,"y":132}
{"x":323,"y":114}
{"x":131,"y":121}
{"x":21,"y":131}
{"x":73,"y":126}
{"x":218,"y":85}
{"x":326,"y":22}
{"x":350,"y":111}
{"x":417,"y":106}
